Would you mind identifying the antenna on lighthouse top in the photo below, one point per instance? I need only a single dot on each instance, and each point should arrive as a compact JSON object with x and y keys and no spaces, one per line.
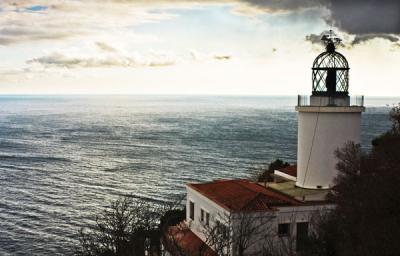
{"x":331,"y":40}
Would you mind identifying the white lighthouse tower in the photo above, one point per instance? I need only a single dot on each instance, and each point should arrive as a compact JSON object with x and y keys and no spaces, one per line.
{"x":326,"y":120}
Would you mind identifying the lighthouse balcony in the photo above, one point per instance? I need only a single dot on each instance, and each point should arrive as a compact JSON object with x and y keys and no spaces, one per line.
{"x":330,"y":101}
{"x":346,"y":104}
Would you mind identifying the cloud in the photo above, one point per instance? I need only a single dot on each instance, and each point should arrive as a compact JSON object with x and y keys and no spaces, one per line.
{"x":35,"y":20}
{"x":316,"y":39}
{"x":197,"y":56}
{"x":282,"y":5}
{"x":355,"y":40}
{"x":364,"y":38}
{"x":20,"y":74}
{"x":59,"y":60}
{"x":357,"y":17}
{"x":362,"y":17}
{"x":365,"y":20}
{"x":105,"y":47}
{"x":222,"y":57}
{"x":15,"y":34}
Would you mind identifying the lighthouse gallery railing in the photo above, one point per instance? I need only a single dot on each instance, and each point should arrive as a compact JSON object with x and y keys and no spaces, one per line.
{"x":304,"y":100}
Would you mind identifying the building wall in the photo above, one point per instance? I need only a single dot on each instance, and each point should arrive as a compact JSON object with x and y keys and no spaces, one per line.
{"x":268,"y":235}
{"x":266,"y":222}
{"x":208,"y":205}
{"x":319,"y":135}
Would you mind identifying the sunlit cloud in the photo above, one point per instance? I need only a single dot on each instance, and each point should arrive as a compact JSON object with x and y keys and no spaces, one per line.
{"x":189,"y":41}
{"x":106,"y":47}
{"x":60,"y":60}
{"x":28,"y":21}
{"x":222,"y":57}
{"x":33,"y":20}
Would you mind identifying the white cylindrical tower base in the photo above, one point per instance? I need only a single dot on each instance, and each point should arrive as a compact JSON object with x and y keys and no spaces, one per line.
{"x":321,"y":131}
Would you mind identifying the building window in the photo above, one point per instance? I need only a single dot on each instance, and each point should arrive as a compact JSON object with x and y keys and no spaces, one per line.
{"x":301,"y":235}
{"x":284,"y":229}
{"x":191,"y":210}
{"x":204,"y":216}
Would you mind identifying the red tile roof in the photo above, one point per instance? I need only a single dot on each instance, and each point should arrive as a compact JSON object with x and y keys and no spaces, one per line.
{"x":180,"y":240}
{"x":243,"y":195}
{"x":290,"y":170}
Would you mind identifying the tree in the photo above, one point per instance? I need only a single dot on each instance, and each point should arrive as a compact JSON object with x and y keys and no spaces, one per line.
{"x":265,"y":175}
{"x":127,"y":227}
{"x":366,"y":220}
{"x":395,"y":117}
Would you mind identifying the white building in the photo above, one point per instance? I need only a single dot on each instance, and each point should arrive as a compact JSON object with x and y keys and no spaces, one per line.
{"x":253,"y":217}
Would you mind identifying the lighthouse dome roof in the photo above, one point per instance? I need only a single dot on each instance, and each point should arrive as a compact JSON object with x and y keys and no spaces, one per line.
{"x":333,"y":59}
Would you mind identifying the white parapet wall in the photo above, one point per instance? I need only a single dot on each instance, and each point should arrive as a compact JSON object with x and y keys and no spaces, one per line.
{"x":321,"y":131}
{"x":284,"y":175}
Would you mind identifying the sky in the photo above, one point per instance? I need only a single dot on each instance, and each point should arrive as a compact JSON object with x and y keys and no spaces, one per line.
{"x":209,"y":47}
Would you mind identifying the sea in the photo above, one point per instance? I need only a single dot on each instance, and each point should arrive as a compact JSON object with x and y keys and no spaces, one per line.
{"x":64,"y":158}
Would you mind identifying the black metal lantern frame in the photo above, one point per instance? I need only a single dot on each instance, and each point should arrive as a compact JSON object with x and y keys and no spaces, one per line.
{"x":330,"y":73}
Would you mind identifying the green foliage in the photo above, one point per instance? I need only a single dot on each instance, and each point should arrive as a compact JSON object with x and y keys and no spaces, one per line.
{"x":265,"y":175}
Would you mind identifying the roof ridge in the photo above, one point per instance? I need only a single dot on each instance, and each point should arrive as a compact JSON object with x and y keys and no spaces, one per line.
{"x":236,"y":181}
{"x":259,"y":194}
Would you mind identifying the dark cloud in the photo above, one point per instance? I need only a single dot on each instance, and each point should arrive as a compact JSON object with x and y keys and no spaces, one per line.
{"x":367,"y":19}
{"x":358,"y":39}
{"x":356,"y":17}
{"x":284,"y":5}
{"x":363,"y":38}
{"x":315,"y":39}
{"x":362,"y":17}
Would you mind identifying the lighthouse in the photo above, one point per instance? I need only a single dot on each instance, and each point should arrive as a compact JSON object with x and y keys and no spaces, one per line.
{"x":327,"y":119}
